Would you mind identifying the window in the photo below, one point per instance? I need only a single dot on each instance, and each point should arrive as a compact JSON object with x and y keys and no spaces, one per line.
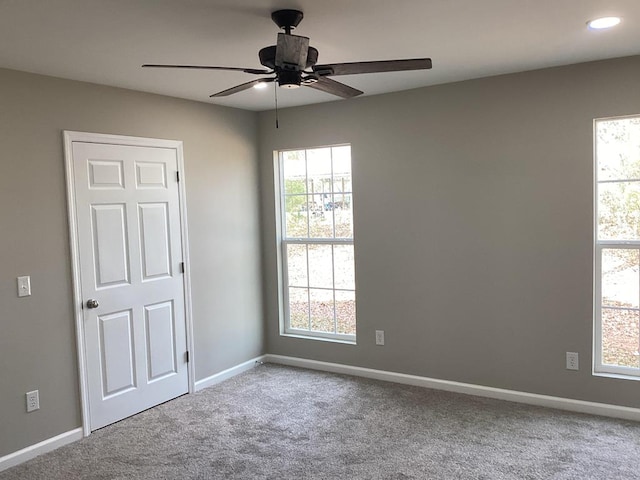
{"x":316,"y":242}
{"x":617,"y":248}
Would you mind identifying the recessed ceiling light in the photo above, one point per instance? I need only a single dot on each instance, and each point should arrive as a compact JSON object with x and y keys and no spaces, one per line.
{"x":603,"y":22}
{"x":260,"y":85}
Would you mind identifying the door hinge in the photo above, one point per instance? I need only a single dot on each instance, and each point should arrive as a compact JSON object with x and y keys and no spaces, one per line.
{"x":177,"y":176}
{"x":186,"y":356}
{"x":181,"y":267}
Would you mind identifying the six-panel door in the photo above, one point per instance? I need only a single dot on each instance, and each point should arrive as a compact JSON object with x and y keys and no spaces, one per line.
{"x":128,"y":219}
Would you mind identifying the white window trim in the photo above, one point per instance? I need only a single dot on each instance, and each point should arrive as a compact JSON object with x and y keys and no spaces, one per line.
{"x":600,"y":368}
{"x":282,"y":242}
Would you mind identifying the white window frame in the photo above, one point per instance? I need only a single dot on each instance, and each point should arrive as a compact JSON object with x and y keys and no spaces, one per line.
{"x":284,"y":242}
{"x":600,"y":368}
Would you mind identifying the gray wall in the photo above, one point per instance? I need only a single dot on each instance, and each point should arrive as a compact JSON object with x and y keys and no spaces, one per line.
{"x":473,"y":226}
{"x":37,"y":333}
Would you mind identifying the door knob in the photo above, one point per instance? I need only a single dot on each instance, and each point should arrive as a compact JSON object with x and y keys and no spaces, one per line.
{"x":91,"y":303}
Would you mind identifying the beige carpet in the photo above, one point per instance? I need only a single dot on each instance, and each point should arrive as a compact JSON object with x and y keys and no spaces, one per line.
{"x":284,"y":423}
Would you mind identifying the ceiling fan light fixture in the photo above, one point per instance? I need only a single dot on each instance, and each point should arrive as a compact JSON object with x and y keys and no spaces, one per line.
{"x":603,"y":23}
{"x":260,"y":85}
{"x":289,"y":78}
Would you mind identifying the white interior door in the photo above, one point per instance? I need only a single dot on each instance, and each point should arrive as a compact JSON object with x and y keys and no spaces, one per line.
{"x":130,"y":254}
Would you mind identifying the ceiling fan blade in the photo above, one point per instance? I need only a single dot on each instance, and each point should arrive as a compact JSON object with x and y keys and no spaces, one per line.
{"x":328,"y":85}
{"x":373,"y":67}
{"x":254,"y":71}
{"x":291,"y":52}
{"x":241,"y":87}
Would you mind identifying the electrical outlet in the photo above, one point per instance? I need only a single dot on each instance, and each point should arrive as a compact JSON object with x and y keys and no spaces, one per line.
{"x":573,"y":361}
{"x":33,"y":401}
{"x":379,"y":337}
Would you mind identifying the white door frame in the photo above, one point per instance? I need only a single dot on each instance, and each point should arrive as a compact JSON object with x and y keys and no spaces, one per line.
{"x":69,"y":138}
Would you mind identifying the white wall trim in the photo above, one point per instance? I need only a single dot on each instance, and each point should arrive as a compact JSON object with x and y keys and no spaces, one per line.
{"x":45,"y":446}
{"x":228,"y":373}
{"x":560,"y":403}
{"x":186,"y":259}
{"x":68,"y":138}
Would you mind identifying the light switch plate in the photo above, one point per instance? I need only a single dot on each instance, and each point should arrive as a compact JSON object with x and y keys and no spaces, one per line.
{"x":24,"y":286}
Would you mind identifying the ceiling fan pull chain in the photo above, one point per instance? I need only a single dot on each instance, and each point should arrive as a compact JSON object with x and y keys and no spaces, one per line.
{"x":275,"y":89}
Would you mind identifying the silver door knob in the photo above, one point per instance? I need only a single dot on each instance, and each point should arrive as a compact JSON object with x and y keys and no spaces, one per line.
{"x":91,"y":303}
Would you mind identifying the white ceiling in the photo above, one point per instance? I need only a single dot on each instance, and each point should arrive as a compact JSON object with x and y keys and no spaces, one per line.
{"x":106,"y":41}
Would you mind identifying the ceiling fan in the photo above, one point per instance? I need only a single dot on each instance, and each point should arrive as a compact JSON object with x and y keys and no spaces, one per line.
{"x":292,"y":62}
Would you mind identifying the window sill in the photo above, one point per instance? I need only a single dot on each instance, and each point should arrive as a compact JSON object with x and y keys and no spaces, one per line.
{"x":322,"y":339}
{"x":617,"y":376}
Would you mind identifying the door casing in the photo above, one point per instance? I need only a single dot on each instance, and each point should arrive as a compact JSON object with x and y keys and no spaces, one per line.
{"x":72,"y":136}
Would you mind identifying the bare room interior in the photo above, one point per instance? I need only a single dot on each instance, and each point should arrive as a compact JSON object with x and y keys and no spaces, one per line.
{"x":424,"y":262}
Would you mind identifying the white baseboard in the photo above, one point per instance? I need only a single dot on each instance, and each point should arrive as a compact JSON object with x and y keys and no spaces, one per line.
{"x":580,"y":406}
{"x":228,"y":373}
{"x":560,"y":403}
{"x":45,"y":446}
